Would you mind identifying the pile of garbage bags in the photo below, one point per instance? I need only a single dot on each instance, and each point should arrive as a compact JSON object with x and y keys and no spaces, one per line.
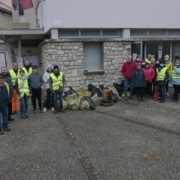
{"x":88,"y":99}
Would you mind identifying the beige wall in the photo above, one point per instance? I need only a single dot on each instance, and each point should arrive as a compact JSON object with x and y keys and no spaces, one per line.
{"x":6,"y":20}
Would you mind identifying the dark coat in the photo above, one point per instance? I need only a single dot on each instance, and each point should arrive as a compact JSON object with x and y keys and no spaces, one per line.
{"x":138,"y":78}
{"x":4,"y":96}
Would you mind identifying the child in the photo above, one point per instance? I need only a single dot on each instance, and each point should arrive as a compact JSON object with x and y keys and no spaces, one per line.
{"x":23,"y":90}
{"x":139,"y":82}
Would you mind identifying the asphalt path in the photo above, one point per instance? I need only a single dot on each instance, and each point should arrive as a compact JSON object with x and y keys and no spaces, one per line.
{"x":130,"y":140}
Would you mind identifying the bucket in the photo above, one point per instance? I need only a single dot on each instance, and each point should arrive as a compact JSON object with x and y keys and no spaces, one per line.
{"x":106,"y":95}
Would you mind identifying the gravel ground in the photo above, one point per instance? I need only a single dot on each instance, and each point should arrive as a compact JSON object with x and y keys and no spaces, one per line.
{"x":128,"y":141}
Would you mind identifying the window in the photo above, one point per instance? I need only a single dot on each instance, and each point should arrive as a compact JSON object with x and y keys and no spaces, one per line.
{"x":69,"y":32}
{"x":174,"y":32}
{"x":90,"y":32}
{"x":3,"y":59}
{"x":92,"y":56}
{"x":157,"y":32}
{"x":112,"y":32}
{"x":138,"y":32}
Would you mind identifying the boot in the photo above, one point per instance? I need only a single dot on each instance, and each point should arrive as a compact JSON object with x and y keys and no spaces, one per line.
{"x":125,"y":95}
{"x":23,"y":115}
{"x":26,"y":114}
{"x":131,"y":94}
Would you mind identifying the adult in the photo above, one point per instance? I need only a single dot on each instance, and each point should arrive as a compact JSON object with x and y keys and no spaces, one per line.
{"x":139,"y":82}
{"x":48,"y":103}
{"x":35,"y":82}
{"x":162,"y":77}
{"x":175,"y":80}
{"x":169,"y":66}
{"x":4,"y":99}
{"x":127,"y":70}
{"x":148,"y":58}
{"x":7,"y":79}
{"x":27,"y":68}
{"x":57,"y":82}
{"x":14,"y":73}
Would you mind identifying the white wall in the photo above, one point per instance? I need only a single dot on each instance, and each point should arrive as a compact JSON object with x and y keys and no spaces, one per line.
{"x":111,"y":13}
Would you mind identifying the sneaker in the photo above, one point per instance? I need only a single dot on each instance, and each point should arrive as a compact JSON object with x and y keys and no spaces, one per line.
{"x":1,"y":132}
{"x":12,"y":119}
{"x":23,"y":116}
{"x":167,"y":94}
{"x":53,"y":109}
{"x":26,"y":115}
{"x":62,"y":110}
{"x":45,"y":109}
{"x":7,"y":129}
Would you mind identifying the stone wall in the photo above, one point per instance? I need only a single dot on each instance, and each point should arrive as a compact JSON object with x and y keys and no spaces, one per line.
{"x":69,"y":57}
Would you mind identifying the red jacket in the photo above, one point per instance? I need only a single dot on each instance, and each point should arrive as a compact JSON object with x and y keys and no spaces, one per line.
{"x":128,"y":69}
{"x":149,"y":74}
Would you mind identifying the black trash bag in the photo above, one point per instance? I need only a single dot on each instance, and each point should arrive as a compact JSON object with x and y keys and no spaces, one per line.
{"x":69,"y":92}
{"x":113,"y":97}
{"x":99,"y":92}
{"x":91,"y":102}
{"x":101,"y":87}
{"x":119,"y":88}
{"x":94,"y":90}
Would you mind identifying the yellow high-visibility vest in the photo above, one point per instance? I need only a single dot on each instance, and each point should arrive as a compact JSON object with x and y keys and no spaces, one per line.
{"x":14,"y":76}
{"x":174,"y":75}
{"x":24,"y":89}
{"x":27,"y":73}
{"x":57,"y":81}
{"x":7,"y":87}
{"x":162,"y":74}
{"x":148,"y":61}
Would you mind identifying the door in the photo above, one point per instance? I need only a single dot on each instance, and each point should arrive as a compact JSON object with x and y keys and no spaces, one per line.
{"x":153,"y":48}
{"x":136,"y":49}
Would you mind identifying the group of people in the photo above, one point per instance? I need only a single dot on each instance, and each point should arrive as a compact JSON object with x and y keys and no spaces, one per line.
{"x":141,"y":76}
{"x":20,"y":84}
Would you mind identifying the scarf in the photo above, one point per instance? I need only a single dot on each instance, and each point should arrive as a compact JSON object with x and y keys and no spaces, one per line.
{"x":22,"y":79}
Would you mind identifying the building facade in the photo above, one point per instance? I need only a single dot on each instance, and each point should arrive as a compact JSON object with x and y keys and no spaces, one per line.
{"x":90,"y":40}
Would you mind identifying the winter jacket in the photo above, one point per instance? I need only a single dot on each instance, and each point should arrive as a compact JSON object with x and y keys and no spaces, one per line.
{"x":128,"y":68}
{"x":35,"y":80}
{"x":138,"y":78}
{"x":149,"y":74}
{"x":4,"y":95}
{"x":46,"y":80}
{"x":175,"y":76}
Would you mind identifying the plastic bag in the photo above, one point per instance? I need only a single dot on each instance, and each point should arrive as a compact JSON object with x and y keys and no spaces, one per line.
{"x":119,"y":88}
{"x":97,"y":100}
{"x":94,"y":90}
{"x":84,"y":105}
{"x":69,"y":92}
{"x":113,"y":97}
{"x":91,"y":102}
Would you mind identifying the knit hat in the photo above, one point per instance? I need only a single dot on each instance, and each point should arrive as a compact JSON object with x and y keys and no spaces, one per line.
{"x":34,"y":67}
{"x":56,"y":67}
{"x":49,"y":66}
